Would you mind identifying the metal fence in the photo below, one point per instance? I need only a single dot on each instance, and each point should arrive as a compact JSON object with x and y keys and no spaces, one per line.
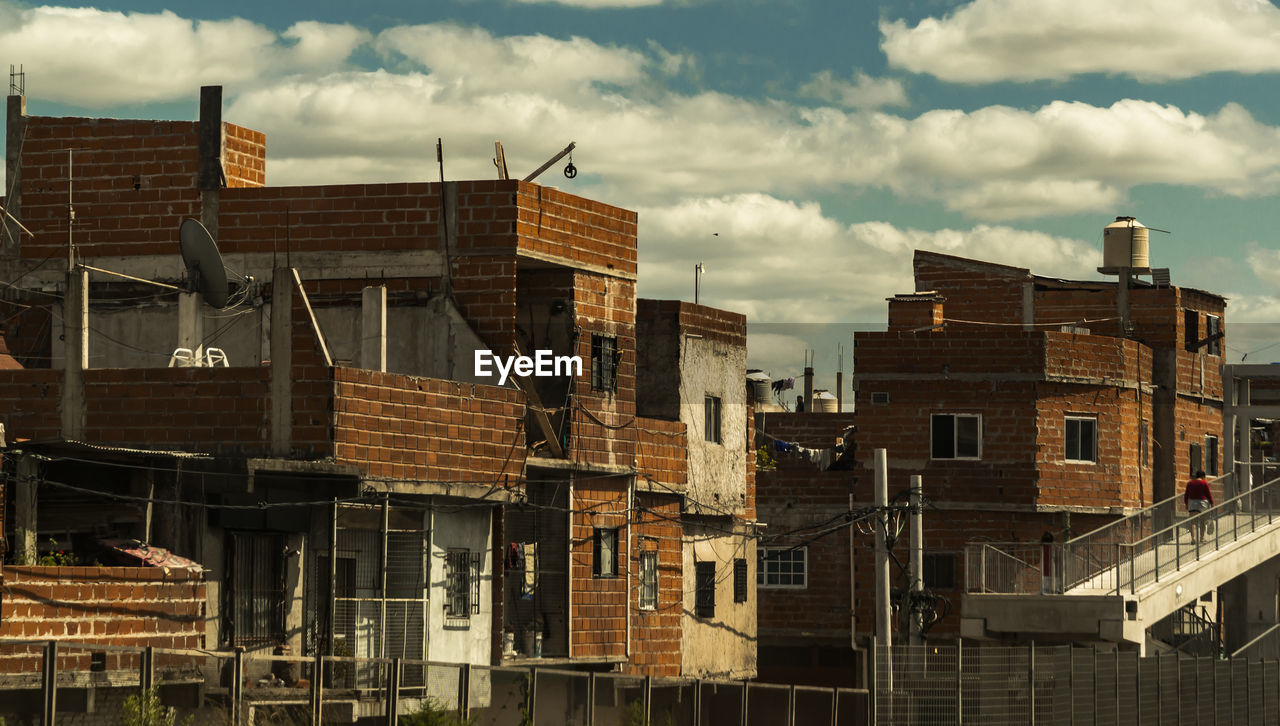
{"x":1065,"y":686}
{"x":88,"y":684}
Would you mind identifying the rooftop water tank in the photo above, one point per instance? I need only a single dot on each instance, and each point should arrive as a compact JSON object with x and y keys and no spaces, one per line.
{"x":824,"y":401}
{"x":1125,"y":243}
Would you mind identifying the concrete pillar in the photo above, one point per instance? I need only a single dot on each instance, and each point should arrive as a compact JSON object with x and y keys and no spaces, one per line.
{"x":373,"y":328}
{"x":24,"y":511}
{"x":1029,"y":305}
{"x":75,"y":332}
{"x":281,"y":361}
{"x":15,"y":120}
{"x":1244,"y":450}
{"x":190,"y":323}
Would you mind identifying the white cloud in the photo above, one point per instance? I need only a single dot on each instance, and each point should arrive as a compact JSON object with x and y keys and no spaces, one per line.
{"x":596,"y":4}
{"x":1023,"y":40}
{"x":475,"y":61}
{"x":786,"y":262}
{"x":862,"y":92}
{"x":92,"y":57}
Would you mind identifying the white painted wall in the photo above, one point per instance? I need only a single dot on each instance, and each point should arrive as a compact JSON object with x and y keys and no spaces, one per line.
{"x":450,"y":640}
{"x":717,"y":472}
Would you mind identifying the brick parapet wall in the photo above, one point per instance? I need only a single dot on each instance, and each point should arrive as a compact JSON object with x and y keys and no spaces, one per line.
{"x":244,"y":156}
{"x":974,"y":290}
{"x":958,"y":350}
{"x":572,"y":228}
{"x":401,"y":427}
{"x":213,"y":410}
{"x":711,"y":323}
{"x":133,"y":606}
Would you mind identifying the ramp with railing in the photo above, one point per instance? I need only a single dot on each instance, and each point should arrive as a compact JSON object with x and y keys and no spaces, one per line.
{"x":1129,"y":574}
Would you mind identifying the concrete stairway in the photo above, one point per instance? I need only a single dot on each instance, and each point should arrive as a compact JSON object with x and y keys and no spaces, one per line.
{"x":1113,"y":583}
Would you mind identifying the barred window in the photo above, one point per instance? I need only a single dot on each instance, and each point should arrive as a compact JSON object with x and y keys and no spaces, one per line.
{"x":705,"y":589}
{"x":604,"y":363}
{"x":462,"y":583}
{"x":648,"y":580}
{"x":739,"y":580}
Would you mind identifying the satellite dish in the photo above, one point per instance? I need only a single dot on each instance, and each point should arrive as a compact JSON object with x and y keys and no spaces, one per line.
{"x":205,"y":272}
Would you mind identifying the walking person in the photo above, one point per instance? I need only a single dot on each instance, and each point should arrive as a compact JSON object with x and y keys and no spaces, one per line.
{"x":1197,"y":497}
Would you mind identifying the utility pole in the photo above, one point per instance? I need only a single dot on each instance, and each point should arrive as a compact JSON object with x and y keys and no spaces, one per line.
{"x":917,"y":560}
{"x":884,"y":631}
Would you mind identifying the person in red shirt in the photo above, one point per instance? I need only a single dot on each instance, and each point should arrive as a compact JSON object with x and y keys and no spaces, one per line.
{"x":1197,"y":499}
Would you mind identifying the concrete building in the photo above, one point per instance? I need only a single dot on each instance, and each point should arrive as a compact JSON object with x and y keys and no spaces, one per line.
{"x":348,"y":478}
{"x":693,"y":370}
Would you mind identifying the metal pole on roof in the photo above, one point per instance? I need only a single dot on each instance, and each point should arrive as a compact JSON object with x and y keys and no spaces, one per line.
{"x":917,"y":559}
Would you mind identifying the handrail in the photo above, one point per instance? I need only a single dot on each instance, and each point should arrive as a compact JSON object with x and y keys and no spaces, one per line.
{"x":1220,"y":507}
{"x":1141,"y":512}
{"x":1259,"y":637}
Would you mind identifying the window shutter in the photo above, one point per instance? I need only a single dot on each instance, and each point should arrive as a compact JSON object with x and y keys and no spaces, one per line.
{"x":739,"y":580}
{"x":595,"y":554}
{"x":705,"y":589}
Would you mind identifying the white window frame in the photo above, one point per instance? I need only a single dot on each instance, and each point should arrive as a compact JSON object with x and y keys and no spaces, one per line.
{"x":764,"y":573}
{"x":954,"y":454}
{"x":712,"y":415}
{"x":1067,"y":419}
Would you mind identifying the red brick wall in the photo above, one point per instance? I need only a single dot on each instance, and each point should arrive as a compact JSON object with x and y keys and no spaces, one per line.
{"x":662,"y":451}
{"x":29,"y":399}
{"x":604,"y":306}
{"x":598,"y":621}
{"x":973,"y":290}
{"x":569,"y":227}
{"x":134,"y":182}
{"x":914,"y":314}
{"x":656,"y":634}
{"x":215,"y":410}
{"x":135,"y":606}
{"x":402,"y":427}
{"x":244,"y":156}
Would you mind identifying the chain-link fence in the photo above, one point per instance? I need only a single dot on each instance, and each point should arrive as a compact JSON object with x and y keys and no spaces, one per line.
{"x":1065,"y":686}
{"x":47,"y":682}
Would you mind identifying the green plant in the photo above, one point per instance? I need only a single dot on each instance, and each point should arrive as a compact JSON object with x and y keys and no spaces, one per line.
{"x":431,"y":713}
{"x":55,"y":557}
{"x":145,"y":709}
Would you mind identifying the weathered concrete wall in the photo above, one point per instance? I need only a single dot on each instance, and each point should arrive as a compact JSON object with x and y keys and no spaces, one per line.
{"x":458,"y":640}
{"x":723,"y":646}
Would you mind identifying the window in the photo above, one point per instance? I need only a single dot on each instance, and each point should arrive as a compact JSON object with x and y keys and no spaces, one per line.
{"x":879,"y":396}
{"x":781,"y":566}
{"x":956,"y":436}
{"x":1082,"y":439}
{"x":939,"y":571}
{"x":739,"y":580}
{"x":1190,"y":329}
{"x":1195,"y":458}
{"x":604,"y":363}
{"x":1213,"y":326}
{"x":257,"y":589}
{"x":705,"y":589}
{"x":606,"y":553}
{"x":1211,"y":455}
{"x":711,"y":419}
{"x":648,"y":580}
{"x":462,"y":583}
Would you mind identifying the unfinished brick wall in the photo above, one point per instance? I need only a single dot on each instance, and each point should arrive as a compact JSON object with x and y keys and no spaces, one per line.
{"x":604,"y":306}
{"x":662,"y":452}
{"x":402,"y":427}
{"x":794,"y":495}
{"x":568,"y":227}
{"x":135,"y":606}
{"x":973,"y":290}
{"x":29,"y":399}
{"x":598,"y":619}
{"x":656,"y":633}
{"x":244,"y":156}
{"x":214,"y":410}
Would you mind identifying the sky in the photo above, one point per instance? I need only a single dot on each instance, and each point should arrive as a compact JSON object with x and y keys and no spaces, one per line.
{"x":800,"y":149}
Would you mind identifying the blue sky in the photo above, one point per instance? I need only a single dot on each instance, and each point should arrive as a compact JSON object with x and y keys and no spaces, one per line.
{"x":800,"y":149}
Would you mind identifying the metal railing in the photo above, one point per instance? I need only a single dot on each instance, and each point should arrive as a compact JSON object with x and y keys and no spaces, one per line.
{"x":44,"y":681}
{"x":1125,"y":555}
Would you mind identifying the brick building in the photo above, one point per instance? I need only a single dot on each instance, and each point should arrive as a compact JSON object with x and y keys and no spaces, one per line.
{"x":1024,"y":410}
{"x":350,"y":481}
